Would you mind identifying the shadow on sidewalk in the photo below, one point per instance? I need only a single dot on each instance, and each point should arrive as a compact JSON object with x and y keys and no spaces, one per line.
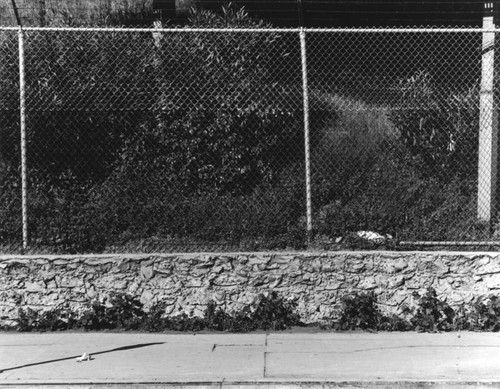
{"x":124,"y":348}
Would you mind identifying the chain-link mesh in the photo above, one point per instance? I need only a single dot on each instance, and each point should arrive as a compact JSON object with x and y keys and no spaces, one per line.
{"x":10,"y":161}
{"x":397,"y":152}
{"x":194,"y":140}
{"x":154,"y":141}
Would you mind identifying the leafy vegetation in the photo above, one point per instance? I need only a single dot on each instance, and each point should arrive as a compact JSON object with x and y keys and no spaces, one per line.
{"x":121,"y":311}
{"x":124,"y":312}
{"x":430,"y":314}
{"x":206,"y":151}
{"x":208,"y":127}
{"x":269,"y":312}
{"x":369,"y":175}
{"x":433,"y":315}
{"x":55,"y":320}
{"x":483,"y":314}
{"x":439,"y":128}
{"x":359,"y":311}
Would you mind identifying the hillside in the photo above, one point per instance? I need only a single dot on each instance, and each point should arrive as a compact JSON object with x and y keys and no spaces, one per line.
{"x":362,"y":13}
{"x":31,"y":11}
{"x":317,"y":13}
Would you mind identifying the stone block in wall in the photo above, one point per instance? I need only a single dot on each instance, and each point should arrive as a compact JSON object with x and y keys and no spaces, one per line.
{"x":71,"y":282}
{"x":354,"y":266}
{"x":296,"y":281}
{"x":90,"y":270}
{"x":181,"y":268}
{"x":332,"y":265}
{"x":16,"y":267}
{"x":124,"y":266}
{"x":310,"y":278}
{"x":492,"y":281}
{"x":433,"y":266}
{"x":75,"y":295}
{"x":258,"y":280}
{"x":219,"y":268}
{"x":255,"y":260}
{"x":200,"y":271}
{"x":148,"y":298}
{"x":480,"y":288}
{"x":73,"y":265}
{"x":332,"y":285}
{"x":120,"y":284}
{"x":443,"y":287}
{"x":193,"y":282}
{"x":147,"y":272}
{"x":245,"y":299}
{"x":489,"y":268}
{"x":313,"y":265}
{"x":227,"y":279}
{"x":368,"y":283}
{"x":459,"y":298}
{"x":91,"y":292}
{"x":399,"y":298}
{"x":384,"y":298}
{"x":60,"y":262}
{"x":104,"y":282}
{"x":392,"y":265}
{"x":167,"y":284}
{"x":481,"y":261}
{"x":99,"y":261}
{"x":164,"y":267}
{"x":280,"y":259}
{"x":460,"y":265}
{"x":275,"y":281}
{"x":395,"y":282}
{"x":34,"y":287}
{"x":420,"y":281}
{"x":40,"y":300}
{"x":242,"y":271}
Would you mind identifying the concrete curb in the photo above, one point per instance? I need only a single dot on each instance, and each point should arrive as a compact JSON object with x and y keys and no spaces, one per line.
{"x":262,"y":385}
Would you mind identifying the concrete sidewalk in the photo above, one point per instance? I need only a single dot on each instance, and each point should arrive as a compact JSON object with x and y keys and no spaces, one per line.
{"x":323,"y":359}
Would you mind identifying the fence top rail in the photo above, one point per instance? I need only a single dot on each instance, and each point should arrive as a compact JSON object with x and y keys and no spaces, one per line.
{"x":256,"y":30}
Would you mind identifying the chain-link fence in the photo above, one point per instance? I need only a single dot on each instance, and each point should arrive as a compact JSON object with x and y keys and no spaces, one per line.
{"x":399,"y":155}
{"x":246,"y":139}
{"x":10,"y":177}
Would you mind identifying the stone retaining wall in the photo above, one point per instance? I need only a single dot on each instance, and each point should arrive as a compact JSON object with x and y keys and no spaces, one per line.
{"x":188,"y":281}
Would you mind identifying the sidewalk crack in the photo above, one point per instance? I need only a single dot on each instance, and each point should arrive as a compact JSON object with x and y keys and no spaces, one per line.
{"x":265,"y":365}
{"x":265,"y":356}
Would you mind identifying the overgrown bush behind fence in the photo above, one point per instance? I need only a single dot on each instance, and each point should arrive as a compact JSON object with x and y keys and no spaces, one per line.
{"x":10,"y":179}
{"x":134,"y":136}
{"x":168,"y":140}
{"x":400,"y":157}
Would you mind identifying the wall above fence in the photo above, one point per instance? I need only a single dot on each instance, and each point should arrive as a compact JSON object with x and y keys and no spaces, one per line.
{"x":316,"y":281}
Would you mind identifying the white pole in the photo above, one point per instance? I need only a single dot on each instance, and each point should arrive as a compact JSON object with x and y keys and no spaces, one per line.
{"x":488,"y":124}
{"x":305,"y":92}
{"x":22,"y":109}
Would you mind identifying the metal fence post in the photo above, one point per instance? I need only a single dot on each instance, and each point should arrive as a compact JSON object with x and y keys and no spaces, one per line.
{"x":305,"y":91}
{"x":22,"y":113}
{"x":488,"y":124}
